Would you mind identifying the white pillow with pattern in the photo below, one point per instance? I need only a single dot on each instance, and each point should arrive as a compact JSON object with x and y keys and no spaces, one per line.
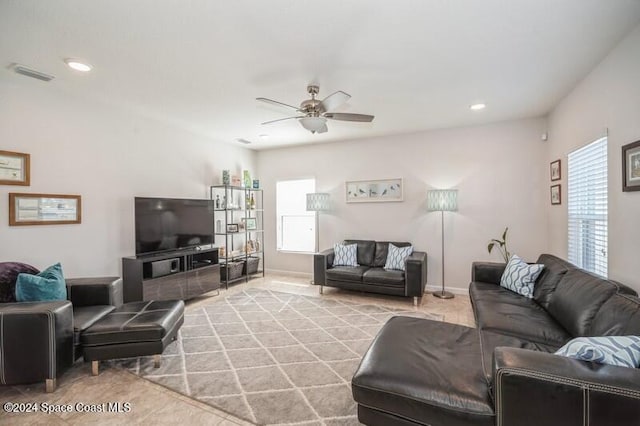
{"x":396,"y":257}
{"x":623,"y":351}
{"x":345,"y":255}
{"x":520,"y":277}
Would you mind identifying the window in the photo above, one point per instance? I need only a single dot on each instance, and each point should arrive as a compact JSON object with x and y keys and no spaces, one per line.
{"x":587,"y":205}
{"x":296,"y":228}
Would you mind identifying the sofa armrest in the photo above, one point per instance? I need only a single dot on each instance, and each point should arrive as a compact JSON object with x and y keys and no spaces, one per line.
{"x":95,"y":291}
{"x":487,"y":272}
{"x":36,"y":341}
{"x":538,"y":388}
{"x":322,"y":261}
{"x":416,"y":274}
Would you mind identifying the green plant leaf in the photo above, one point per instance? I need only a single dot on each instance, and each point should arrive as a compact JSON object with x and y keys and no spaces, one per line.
{"x":490,"y":247}
{"x":504,"y":234}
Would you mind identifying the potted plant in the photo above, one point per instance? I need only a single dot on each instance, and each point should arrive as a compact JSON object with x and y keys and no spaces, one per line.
{"x":501,"y":245}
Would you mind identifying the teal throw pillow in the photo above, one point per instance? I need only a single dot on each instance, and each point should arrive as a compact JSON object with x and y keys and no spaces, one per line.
{"x":47,"y":285}
{"x":397,"y":256}
{"x":520,"y":277}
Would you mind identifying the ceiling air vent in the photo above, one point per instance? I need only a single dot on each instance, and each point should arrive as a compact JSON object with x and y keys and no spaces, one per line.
{"x":21,"y":69}
{"x":244,"y":141}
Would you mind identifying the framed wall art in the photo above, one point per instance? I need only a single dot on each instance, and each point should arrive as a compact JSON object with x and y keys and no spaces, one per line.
{"x":631,"y":167}
{"x":250,"y":223}
{"x":556,"y":194}
{"x":232,"y":228}
{"x":14,"y":168}
{"x":44,"y":209}
{"x":555,"y":170}
{"x":370,"y":191}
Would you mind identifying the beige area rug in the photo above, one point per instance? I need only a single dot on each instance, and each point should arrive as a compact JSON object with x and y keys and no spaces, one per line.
{"x":272,"y":358}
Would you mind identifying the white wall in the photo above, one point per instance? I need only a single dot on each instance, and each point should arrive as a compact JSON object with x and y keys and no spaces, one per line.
{"x":499,"y":169}
{"x":107,"y":156}
{"x":609,"y":97}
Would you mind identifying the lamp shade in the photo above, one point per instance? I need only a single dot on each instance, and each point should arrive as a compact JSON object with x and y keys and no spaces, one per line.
{"x":317,"y":202}
{"x":445,"y":200}
{"x":313,"y":124}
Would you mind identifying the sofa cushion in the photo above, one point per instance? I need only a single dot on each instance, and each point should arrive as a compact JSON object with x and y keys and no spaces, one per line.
{"x":346,"y":273}
{"x":345,"y":255}
{"x":45,"y":286}
{"x":366,"y":251}
{"x":397,"y":256}
{"x":554,"y":270}
{"x":383,"y":276}
{"x":520,"y":277}
{"x":382,"y":250}
{"x":504,"y":312}
{"x":577,"y":299}
{"x":85,"y":316}
{"x":8,"y":274}
{"x":489,"y":340}
{"x":427,"y":372}
{"x":619,"y":316}
{"x":622,"y":351}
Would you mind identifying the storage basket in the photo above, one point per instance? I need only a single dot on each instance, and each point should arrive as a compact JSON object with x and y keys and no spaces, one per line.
{"x":234,"y":269}
{"x":251,"y":267}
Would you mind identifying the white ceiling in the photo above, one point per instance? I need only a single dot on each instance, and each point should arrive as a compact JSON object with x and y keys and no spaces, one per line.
{"x":415,"y":65}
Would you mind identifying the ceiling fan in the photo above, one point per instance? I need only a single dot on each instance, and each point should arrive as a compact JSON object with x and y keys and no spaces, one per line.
{"x":314,"y":113}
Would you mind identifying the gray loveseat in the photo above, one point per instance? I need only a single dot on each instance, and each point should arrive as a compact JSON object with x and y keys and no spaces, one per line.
{"x":370,"y":275}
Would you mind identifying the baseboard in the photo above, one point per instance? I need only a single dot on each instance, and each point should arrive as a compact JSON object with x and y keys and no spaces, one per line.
{"x":304,"y":275}
{"x":453,"y":290}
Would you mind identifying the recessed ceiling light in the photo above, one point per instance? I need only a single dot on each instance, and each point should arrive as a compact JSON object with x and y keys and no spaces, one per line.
{"x":477,"y":107}
{"x":77,"y":65}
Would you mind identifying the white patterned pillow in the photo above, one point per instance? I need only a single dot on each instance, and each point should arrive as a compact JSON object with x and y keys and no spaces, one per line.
{"x":623,"y":351}
{"x":345,"y":255}
{"x":396,"y":256}
{"x":520,"y":277}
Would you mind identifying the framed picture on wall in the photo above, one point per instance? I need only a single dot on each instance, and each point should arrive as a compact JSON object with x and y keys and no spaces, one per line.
{"x":556,"y":195}
{"x":14,"y":168}
{"x":631,"y":167}
{"x":370,"y":191}
{"x":555,"y":170}
{"x":44,"y":209}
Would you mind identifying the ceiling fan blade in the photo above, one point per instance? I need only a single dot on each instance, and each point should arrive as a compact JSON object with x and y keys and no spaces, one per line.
{"x":271,"y":101}
{"x":346,"y":116}
{"x":334,"y":100}
{"x":323,"y":129}
{"x":281,"y":119}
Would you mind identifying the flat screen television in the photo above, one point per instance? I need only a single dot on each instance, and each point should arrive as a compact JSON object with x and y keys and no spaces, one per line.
{"x":165,"y":224}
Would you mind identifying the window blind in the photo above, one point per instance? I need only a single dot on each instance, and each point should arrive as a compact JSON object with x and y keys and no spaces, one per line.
{"x":587,"y":207}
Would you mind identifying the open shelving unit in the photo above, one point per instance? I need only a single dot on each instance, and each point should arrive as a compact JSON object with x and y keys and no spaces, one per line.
{"x":238,"y":220}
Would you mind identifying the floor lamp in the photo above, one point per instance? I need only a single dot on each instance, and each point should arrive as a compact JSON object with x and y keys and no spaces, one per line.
{"x":442,"y":200}
{"x":317,"y":202}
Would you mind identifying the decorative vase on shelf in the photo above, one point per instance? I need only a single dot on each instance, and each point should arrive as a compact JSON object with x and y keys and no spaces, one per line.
{"x":247,"y":178}
{"x":218,"y":226}
{"x":226,"y":178}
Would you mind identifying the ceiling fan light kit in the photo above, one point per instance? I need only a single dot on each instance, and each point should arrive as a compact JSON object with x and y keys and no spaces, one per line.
{"x":315,"y":113}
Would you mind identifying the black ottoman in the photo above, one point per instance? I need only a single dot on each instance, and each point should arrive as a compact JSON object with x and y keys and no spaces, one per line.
{"x":419,"y":371}
{"x":133,"y":329}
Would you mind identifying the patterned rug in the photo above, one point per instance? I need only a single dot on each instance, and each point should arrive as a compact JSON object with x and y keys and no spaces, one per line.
{"x":272,"y":358}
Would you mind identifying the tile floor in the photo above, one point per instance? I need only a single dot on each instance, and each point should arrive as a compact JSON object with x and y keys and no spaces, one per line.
{"x":154,"y":404}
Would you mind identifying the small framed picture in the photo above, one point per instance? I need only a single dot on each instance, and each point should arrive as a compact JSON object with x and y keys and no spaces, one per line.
{"x":631,"y":167}
{"x":14,"y":168}
{"x":556,"y":194}
{"x":250,"y":223}
{"x":556,"y":173}
{"x":44,"y":209}
{"x":232,"y":227}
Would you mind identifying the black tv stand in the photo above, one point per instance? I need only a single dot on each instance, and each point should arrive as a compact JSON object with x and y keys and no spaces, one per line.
{"x":178,"y":274}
